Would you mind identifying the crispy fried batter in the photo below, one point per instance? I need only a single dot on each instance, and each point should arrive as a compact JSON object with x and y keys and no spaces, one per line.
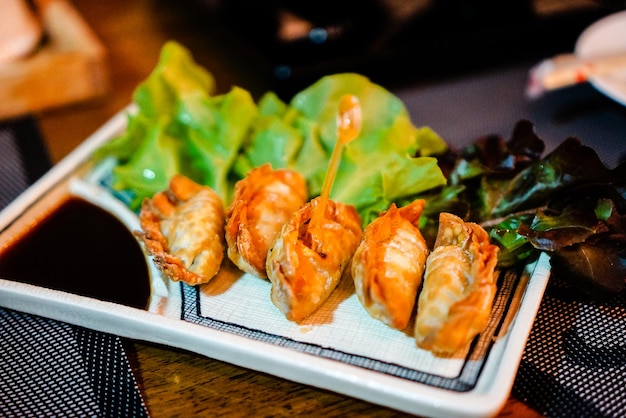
{"x":182,"y":228}
{"x":262,"y":203}
{"x":459,"y":286}
{"x":389,"y":263}
{"x":307,"y":259}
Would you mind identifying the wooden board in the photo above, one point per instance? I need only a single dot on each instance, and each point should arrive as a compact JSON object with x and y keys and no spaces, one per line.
{"x":69,"y":66}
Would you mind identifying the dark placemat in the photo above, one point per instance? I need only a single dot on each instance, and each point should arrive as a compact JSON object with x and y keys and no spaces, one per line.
{"x":50,"y":368}
{"x":23,"y":158}
{"x":574,"y":364}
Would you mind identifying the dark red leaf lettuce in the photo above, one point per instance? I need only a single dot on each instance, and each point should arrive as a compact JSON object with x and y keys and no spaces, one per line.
{"x":567,"y":203}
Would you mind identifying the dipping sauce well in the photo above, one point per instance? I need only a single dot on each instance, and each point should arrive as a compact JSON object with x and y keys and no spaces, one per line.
{"x":80,"y":248}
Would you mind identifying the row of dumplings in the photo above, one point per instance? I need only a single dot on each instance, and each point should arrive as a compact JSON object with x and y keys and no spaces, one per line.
{"x":303,"y":247}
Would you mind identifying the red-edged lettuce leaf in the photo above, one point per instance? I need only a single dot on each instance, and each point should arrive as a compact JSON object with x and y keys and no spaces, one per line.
{"x":571,"y":163}
{"x":597,"y":266}
{"x":567,"y":203}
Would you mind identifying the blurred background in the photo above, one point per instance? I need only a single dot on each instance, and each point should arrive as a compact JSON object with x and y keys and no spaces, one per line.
{"x":393,"y":41}
{"x":92,"y":55}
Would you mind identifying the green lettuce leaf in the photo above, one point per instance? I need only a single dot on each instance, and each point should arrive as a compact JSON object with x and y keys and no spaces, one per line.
{"x":386,"y":163}
{"x":180,"y":127}
{"x":214,"y":140}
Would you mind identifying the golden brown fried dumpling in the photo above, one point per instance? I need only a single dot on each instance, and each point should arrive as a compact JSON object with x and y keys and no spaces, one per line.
{"x":389,"y":263}
{"x":183,"y":229}
{"x":262,"y":203}
{"x":308,"y":258}
{"x":459,"y":286}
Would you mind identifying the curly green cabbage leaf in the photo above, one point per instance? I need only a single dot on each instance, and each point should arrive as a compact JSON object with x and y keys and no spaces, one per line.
{"x":389,"y":161}
{"x":180,"y":127}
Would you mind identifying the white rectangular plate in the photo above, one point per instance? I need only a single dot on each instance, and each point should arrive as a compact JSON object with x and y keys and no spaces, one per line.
{"x":232,"y":318}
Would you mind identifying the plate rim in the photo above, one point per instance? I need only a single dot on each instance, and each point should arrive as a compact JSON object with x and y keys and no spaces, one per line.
{"x":584,"y":48}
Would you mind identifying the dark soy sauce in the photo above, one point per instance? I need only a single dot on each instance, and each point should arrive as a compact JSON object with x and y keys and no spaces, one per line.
{"x":80,"y":248}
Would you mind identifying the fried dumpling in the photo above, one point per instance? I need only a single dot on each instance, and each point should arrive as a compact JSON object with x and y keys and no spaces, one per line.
{"x":183,"y":229}
{"x":388,"y":266}
{"x":262,"y":203}
{"x":308,"y":258}
{"x":459,"y":286}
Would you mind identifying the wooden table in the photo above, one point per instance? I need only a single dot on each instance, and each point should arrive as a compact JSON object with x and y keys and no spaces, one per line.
{"x":178,"y":383}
